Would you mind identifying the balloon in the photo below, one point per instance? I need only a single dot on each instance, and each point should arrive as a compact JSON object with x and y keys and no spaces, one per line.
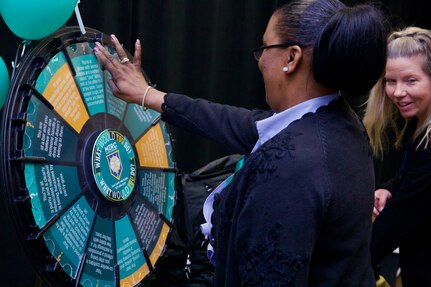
{"x":4,"y":82}
{"x":36,"y":19}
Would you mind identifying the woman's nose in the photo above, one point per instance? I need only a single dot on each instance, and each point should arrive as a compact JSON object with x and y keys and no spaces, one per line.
{"x":400,"y":91}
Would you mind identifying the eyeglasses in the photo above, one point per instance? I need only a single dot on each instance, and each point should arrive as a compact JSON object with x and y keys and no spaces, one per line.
{"x":257,"y":53}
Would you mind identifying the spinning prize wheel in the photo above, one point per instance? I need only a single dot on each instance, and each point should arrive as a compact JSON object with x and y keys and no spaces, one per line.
{"x":88,"y":178}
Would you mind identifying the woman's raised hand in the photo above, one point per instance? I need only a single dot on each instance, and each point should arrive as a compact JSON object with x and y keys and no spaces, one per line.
{"x":128,"y":82}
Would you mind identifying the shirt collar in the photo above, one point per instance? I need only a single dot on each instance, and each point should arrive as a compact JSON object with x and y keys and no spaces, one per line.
{"x":269,"y":127}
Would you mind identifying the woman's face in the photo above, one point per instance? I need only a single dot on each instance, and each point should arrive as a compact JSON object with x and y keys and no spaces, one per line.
{"x":271,"y":65}
{"x":408,"y":86}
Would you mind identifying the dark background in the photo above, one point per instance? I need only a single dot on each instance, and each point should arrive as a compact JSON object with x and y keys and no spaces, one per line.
{"x":196,"y":47}
{"x":200,"y":48}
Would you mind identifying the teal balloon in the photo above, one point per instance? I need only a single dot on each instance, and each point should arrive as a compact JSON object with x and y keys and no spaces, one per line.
{"x":4,"y":82}
{"x":36,"y":19}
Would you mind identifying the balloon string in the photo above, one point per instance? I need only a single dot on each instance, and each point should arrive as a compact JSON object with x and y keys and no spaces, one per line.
{"x":78,"y":17}
{"x":18,"y":55}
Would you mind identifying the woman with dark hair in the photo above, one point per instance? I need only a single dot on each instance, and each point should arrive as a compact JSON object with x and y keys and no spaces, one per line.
{"x":298,"y":211}
{"x":401,"y":100}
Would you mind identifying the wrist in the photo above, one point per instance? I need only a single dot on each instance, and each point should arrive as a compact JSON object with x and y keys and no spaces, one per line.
{"x":152,"y":99}
{"x":144,"y":97}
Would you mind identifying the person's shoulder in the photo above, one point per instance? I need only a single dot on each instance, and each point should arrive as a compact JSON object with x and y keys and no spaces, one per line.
{"x":299,"y":147}
{"x":260,"y":114}
{"x":421,"y":150}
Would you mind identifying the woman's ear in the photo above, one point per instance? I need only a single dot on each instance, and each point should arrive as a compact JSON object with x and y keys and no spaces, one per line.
{"x":293,"y":58}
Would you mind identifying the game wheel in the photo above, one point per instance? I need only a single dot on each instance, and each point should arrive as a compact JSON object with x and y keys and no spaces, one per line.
{"x":88,"y":178}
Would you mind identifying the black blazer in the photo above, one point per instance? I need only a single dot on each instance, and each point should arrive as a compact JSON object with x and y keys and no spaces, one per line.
{"x":299,"y":211}
{"x":405,"y":222}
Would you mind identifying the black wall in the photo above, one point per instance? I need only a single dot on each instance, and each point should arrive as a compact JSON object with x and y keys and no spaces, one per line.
{"x":200,"y":48}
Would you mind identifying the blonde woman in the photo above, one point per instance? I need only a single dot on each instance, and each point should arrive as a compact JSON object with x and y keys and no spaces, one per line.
{"x":402,"y":205}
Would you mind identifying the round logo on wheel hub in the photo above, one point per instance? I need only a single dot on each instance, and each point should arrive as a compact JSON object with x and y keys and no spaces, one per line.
{"x":113,"y":164}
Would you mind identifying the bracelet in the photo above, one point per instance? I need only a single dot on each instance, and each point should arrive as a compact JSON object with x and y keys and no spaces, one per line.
{"x":143,"y":98}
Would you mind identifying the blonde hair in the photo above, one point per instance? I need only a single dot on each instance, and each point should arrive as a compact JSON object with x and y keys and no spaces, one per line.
{"x":381,"y":113}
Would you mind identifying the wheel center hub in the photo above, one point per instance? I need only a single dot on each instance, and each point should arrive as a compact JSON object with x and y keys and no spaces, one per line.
{"x":113,"y":165}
